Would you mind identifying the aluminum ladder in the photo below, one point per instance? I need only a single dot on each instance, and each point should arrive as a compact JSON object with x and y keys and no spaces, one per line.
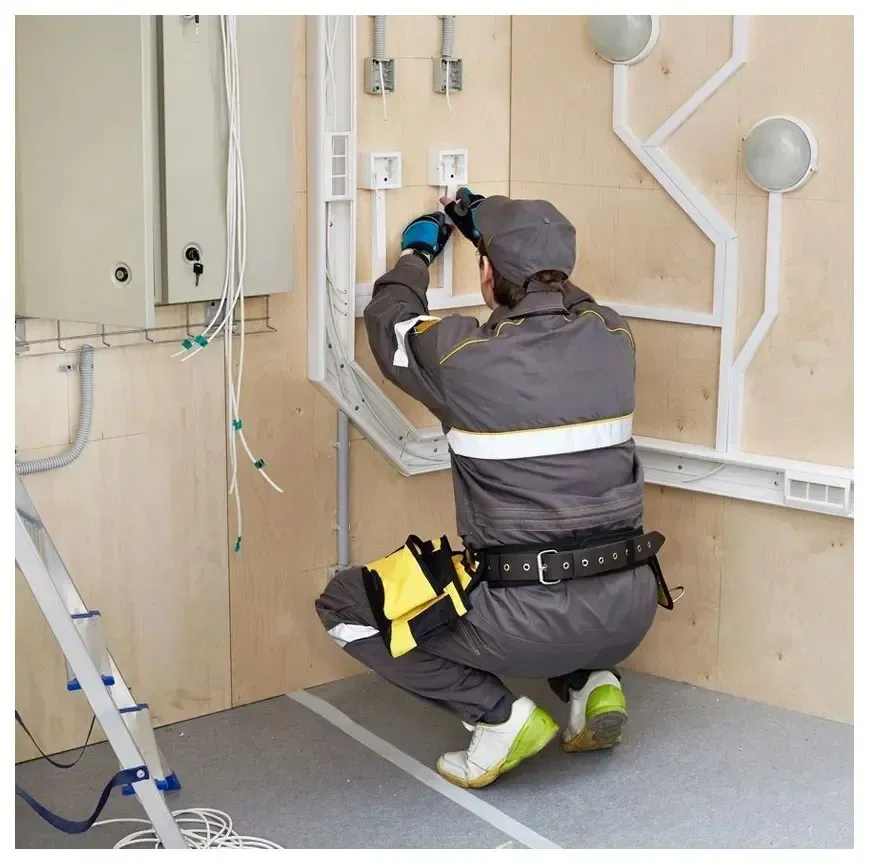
{"x":79,"y":633}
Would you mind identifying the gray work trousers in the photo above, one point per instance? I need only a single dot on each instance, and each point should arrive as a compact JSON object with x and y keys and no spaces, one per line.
{"x":558,"y":632}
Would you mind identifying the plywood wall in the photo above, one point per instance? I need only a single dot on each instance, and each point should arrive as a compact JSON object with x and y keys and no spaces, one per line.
{"x":140,"y":521}
{"x":769,"y":605}
{"x":142,"y":517}
{"x":751,"y":622}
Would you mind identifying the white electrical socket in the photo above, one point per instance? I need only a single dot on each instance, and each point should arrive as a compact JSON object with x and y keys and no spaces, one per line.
{"x":448,"y":167}
{"x":380,"y":170}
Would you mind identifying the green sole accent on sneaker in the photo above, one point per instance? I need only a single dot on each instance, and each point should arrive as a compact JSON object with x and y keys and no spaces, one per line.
{"x":538,"y":731}
{"x":603,"y":700}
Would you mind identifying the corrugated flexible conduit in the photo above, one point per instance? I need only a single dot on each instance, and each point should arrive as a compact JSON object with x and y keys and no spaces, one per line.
{"x":448,"y":32}
{"x":380,"y":53}
{"x":379,"y":37}
{"x":448,"y":29}
{"x":50,"y":463}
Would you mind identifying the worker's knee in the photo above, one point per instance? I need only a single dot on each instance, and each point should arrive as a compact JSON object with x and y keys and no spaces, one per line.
{"x":344,"y":600}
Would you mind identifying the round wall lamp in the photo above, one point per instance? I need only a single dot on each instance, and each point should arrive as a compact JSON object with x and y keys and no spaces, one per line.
{"x":781,"y":154}
{"x":624,"y":39}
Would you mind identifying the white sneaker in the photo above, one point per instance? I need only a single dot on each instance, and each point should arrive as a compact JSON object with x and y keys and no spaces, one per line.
{"x":597,"y":714}
{"x":496,"y":748}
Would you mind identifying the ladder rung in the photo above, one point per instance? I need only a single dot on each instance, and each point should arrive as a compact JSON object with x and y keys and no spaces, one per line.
{"x":138,"y":720}
{"x":90,"y":626}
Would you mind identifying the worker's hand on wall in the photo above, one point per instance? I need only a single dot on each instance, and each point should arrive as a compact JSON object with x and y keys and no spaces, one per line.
{"x":427,"y":235}
{"x":461,"y":211}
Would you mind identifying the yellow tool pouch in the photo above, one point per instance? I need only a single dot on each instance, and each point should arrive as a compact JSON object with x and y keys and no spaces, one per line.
{"x":417,"y":591}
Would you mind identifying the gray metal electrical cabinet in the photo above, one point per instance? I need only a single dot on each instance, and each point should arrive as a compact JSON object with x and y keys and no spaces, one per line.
{"x":121,"y":162}
{"x":86,"y":168}
{"x":195,"y":122}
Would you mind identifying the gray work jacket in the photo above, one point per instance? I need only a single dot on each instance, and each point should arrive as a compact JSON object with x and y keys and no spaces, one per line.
{"x":555,"y":359}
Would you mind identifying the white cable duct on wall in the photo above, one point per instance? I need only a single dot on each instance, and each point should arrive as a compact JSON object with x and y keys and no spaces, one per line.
{"x":332,"y":301}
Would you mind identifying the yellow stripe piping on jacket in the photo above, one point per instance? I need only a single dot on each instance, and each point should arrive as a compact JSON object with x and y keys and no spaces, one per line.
{"x":476,"y":341}
{"x":611,"y":329}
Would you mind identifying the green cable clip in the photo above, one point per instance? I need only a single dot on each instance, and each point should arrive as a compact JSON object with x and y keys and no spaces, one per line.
{"x":259,"y":464}
{"x":201,"y":340}
{"x":237,"y":547}
{"x":186,"y":344}
{"x":236,"y":424}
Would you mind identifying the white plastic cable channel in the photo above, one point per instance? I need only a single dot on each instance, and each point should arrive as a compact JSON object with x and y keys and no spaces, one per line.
{"x":440,"y":297}
{"x":378,"y":234}
{"x":413,"y":450}
{"x":772,"y":280}
{"x":698,"y":208}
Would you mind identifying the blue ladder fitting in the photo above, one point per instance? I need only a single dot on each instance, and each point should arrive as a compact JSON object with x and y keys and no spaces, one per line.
{"x":170,"y":784}
{"x":108,"y":680}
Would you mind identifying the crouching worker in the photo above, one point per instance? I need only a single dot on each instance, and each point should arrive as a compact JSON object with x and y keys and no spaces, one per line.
{"x":558,"y":579}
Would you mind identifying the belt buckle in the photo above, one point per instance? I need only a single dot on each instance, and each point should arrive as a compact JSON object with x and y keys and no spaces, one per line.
{"x":541,"y":567}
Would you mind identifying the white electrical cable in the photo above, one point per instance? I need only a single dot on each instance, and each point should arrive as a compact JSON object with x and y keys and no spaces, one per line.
{"x":720,"y":467}
{"x":382,"y":89}
{"x":210,"y":829}
{"x":231,"y":305}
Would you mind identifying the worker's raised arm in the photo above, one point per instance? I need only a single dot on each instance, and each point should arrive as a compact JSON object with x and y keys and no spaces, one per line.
{"x":406,"y":340}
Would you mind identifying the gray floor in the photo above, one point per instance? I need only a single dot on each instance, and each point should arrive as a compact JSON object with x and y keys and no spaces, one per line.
{"x":697,"y":769}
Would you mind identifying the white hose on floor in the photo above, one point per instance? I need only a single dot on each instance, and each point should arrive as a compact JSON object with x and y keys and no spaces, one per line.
{"x":50,"y":463}
{"x":208,"y":829}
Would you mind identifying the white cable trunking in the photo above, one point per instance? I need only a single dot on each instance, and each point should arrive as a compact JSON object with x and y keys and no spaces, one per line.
{"x":335,"y":299}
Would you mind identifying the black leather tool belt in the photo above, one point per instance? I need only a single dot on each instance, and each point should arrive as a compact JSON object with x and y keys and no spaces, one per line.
{"x":549,"y":565}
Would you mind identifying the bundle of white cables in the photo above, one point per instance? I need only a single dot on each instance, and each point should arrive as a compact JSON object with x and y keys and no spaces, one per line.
{"x":201,"y":828}
{"x":232,"y":298}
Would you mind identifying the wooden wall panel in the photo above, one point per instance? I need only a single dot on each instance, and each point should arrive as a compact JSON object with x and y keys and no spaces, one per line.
{"x":386,"y":506}
{"x":418,"y":119}
{"x":633,"y":245}
{"x":690,"y":50}
{"x":662,"y":258}
{"x":161,"y":566}
{"x":787,"y":610}
{"x":140,"y":520}
{"x":768,"y":608}
{"x":561,"y":118}
{"x":747,"y":624}
{"x":677,"y":381}
{"x":683,"y":644}
{"x":799,"y":399}
{"x":39,"y":382}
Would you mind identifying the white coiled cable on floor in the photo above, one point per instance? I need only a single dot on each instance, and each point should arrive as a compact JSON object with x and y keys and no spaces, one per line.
{"x":201,"y":828}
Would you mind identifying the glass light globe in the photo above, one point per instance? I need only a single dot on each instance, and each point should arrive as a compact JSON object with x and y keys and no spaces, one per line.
{"x":780,"y":154}
{"x":623,"y":38}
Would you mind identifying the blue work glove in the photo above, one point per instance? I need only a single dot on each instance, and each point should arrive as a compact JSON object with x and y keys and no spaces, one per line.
{"x":427,"y":235}
{"x":461,"y":211}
